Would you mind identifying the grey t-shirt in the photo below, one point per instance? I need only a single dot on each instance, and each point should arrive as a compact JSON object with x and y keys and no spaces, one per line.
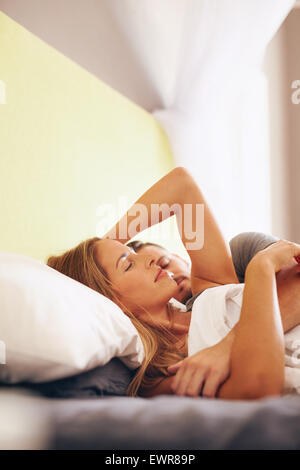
{"x":243,"y":247}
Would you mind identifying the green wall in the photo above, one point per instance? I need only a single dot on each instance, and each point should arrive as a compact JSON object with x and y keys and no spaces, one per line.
{"x":68,"y":144}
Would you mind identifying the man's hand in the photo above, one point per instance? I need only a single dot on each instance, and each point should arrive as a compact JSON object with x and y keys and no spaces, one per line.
{"x":203,"y":373}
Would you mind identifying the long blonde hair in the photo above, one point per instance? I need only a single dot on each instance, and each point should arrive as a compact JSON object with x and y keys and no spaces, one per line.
{"x":160,"y":345}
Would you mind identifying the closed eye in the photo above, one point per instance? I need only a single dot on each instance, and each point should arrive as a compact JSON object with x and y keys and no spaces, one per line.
{"x":164,"y":262}
{"x":130,"y":264}
{"x":164,"y":266}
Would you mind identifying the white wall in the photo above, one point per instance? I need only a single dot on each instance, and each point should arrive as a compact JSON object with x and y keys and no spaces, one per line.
{"x":275,"y":69}
{"x":293,"y":130}
{"x":282,"y":67}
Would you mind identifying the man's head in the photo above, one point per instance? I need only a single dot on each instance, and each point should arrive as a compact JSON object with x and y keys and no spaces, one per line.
{"x":171,"y":262}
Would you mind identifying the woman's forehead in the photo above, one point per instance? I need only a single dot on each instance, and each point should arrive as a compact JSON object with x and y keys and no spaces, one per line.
{"x":107,"y":250}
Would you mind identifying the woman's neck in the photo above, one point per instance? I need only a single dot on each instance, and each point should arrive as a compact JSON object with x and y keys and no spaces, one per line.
{"x":180,"y":322}
{"x":172,"y":318}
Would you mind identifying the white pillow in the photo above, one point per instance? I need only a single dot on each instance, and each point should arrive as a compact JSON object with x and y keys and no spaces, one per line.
{"x":54,"y":327}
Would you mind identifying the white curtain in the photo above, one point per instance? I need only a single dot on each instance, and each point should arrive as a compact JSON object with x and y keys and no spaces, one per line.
{"x":204,"y":59}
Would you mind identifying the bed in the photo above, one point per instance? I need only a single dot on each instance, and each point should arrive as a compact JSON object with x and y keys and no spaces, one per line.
{"x":159,"y":423}
{"x":169,"y":422}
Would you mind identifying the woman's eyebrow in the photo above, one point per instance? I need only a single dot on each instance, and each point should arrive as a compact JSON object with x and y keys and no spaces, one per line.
{"x":124,"y":255}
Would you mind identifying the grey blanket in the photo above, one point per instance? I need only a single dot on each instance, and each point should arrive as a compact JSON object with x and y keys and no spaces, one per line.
{"x":171,"y":422}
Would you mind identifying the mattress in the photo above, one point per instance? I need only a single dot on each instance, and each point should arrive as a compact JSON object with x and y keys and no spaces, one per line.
{"x":166,"y":422}
{"x":172,"y":422}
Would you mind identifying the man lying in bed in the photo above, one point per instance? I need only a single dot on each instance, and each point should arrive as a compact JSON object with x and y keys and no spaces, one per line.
{"x":243,"y":247}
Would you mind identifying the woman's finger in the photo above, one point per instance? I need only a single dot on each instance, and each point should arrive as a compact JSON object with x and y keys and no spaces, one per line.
{"x":185,"y":380}
{"x":179,"y":382}
{"x":174,"y":367}
{"x":196,"y":383}
{"x":211,"y":386}
{"x":279,"y":254}
{"x":179,"y":374}
{"x":176,"y":380}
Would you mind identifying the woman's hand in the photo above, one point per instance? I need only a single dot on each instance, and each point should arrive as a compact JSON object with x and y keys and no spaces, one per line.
{"x":204,"y":372}
{"x":279,"y":254}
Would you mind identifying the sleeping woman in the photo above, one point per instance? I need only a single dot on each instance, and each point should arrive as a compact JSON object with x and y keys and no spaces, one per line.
{"x":249,"y":362}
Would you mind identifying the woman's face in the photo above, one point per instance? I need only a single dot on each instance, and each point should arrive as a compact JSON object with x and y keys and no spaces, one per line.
{"x":134,"y":276}
{"x":175,"y":264}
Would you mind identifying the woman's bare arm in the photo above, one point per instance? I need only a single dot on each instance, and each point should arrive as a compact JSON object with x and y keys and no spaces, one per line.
{"x":257,"y":355}
{"x":178,"y":191}
{"x":213,"y":363}
{"x":257,"y":352}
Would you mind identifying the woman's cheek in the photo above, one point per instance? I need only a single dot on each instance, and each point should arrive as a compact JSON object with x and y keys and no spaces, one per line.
{"x":133,"y":283}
